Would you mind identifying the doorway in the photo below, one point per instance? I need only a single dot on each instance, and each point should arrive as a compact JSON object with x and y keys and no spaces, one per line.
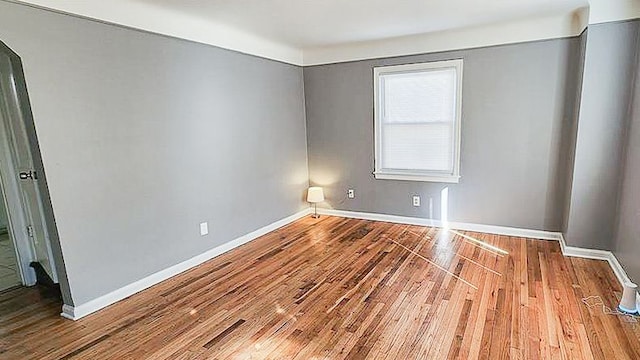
{"x":28,"y":229}
{"x":9,"y":265}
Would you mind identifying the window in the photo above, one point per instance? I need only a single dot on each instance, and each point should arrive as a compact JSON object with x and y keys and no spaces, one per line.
{"x":417,"y":121}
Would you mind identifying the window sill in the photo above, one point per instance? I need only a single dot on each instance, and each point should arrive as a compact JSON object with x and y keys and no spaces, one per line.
{"x":417,"y":177}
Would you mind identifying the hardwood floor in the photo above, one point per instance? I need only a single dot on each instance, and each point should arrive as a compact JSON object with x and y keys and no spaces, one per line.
{"x":339,"y":288}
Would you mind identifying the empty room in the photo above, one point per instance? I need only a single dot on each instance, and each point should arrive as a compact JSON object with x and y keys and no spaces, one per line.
{"x":336,"y":179}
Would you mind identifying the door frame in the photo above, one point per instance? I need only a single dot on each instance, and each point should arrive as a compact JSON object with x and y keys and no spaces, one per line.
{"x":18,"y":223}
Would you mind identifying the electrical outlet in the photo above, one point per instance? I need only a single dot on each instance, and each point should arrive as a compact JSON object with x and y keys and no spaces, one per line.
{"x":416,"y":200}
{"x":204,"y":228}
{"x":351,"y":194}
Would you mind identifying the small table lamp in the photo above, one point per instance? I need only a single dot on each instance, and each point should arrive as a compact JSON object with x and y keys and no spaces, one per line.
{"x":314,"y":196}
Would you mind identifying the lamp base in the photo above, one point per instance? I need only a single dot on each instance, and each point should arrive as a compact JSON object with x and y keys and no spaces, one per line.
{"x":627,"y":311}
{"x":315,"y":211}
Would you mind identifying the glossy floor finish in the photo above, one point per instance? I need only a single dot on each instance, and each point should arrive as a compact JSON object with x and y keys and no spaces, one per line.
{"x":338,"y":288}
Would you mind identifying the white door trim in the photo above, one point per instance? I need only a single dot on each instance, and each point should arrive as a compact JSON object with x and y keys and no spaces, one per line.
{"x":17,"y":225}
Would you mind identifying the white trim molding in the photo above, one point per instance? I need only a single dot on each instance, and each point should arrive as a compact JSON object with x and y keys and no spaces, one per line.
{"x":82,"y":310}
{"x":490,"y":229}
{"x":382,"y":74}
{"x":572,"y":251}
{"x":601,"y":11}
{"x":594,"y":254}
{"x":156,"y":19}
{"x":532,"y":29}
{"x":78,"y":311}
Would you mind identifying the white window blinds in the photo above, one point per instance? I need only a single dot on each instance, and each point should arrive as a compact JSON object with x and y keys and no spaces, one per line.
{"x":417,"y":121}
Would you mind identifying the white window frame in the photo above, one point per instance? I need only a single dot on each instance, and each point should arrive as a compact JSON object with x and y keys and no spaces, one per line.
{"x":417,"y":175}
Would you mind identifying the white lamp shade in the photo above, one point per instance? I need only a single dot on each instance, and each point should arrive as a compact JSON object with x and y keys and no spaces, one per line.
{"x":315,"y":194}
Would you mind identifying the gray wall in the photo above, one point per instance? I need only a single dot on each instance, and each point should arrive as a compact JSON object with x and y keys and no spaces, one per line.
{"x":606,"y":93}
{"x":513,"y":160}
{"x":143,"y":137}
{"x":627,"y":239}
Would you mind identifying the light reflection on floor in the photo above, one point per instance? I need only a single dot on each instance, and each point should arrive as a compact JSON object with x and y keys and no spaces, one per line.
{"x":481,"y":243}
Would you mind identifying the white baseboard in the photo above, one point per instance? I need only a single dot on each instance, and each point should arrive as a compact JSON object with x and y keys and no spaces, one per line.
{"x":489,"y":229}
{"x":78,"y":311}
{"x":68,"y":312}
{"x":605,"y":255}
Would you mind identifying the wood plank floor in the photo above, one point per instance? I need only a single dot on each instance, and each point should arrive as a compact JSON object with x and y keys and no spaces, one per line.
{"x":338,"y":288}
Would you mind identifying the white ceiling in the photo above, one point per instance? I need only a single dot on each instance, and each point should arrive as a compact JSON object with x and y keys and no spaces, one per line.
{"x":308,"y":32}
{"x":313,"y":23}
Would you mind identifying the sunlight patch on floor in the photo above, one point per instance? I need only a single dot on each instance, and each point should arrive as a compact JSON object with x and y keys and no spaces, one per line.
{"x":480,"y":242}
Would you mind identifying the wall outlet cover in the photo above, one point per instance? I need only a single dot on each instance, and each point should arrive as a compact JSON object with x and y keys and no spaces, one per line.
{"x":351,"y":193}
{"x":204,"y":228}
{"x":416,"y":200}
